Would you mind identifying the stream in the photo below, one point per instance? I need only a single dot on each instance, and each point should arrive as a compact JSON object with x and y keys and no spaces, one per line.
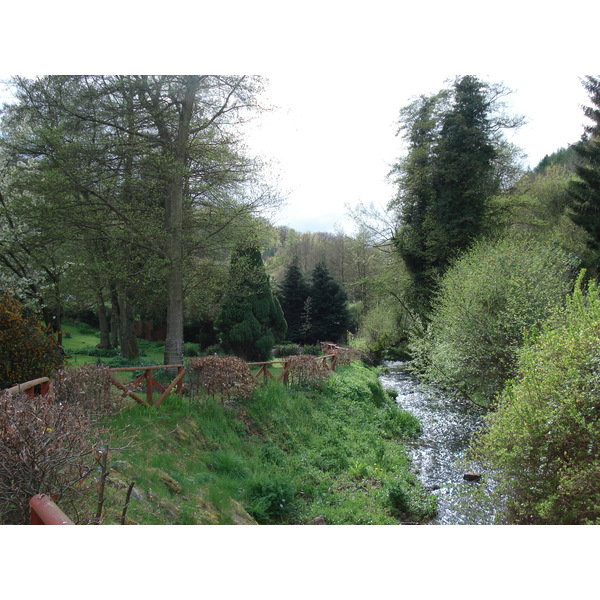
{"x":448,"y":423}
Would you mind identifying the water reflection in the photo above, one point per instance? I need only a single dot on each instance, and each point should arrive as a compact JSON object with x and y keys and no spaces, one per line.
{"x":448,"y":424}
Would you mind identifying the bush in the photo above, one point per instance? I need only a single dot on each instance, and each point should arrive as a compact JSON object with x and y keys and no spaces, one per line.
{"x":281,"y":350}
{"x":45,"y":448}
{"x":486,"y":303}
{"x":88,"y":386}
{"x":541,"y":446}
{"x":223,"y":377}
{"x":312,"y":350}
{"x":27,"y":349}
{"x":271,"y":498}
{"x":306,"y":370}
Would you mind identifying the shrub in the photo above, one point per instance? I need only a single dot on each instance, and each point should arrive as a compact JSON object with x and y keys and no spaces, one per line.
{"x":27,"y":349}
{"x":312,"y":350}
{"x":87,"y":386}
{"x":286,"y":350}
{"x":191,"y":350}
{"x":409,"y":501}
{"x":221,"y":376}
{"x":541,"y":446}
{"x":486,"y":303}
{"x":306,"y":370}
{"x":271,"y":498}
{"x":86,"y":329}
{"x":344,"y":356}
{"x":45,"y":448}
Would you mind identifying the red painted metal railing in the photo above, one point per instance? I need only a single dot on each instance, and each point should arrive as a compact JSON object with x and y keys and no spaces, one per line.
{"x":151,"y":383}
{"x":43,"y":511}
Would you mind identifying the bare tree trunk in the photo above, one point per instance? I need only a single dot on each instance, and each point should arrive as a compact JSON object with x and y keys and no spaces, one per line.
{"x":103,"y":322}
{"x":115,"y":319}
{"x":129,"y":347}
{"x":174,"y":227}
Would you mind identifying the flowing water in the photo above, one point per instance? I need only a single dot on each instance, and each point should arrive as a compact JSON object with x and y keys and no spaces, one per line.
{"x":448,"y":424}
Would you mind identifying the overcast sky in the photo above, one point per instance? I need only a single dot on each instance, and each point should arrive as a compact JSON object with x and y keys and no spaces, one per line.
{"x":333,"y":139}
{"x":339,"y":74}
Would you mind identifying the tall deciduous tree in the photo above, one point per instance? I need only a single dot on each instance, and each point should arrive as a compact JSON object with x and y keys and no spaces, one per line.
{"x":152,"y":162}
{"x":585,"y":190}
{"x":251,"y":320}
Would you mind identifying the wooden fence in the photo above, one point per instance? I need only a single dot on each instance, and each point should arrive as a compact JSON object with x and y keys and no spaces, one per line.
{"x":328,"y":361}
{"x":35,"y":387}
{"x":151,"y":383}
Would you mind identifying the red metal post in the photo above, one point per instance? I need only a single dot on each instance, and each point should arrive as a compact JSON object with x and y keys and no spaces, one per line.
{"x":45,"y":512}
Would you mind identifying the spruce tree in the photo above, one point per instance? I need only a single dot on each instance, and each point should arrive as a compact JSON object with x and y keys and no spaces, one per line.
{"x":251,"y":321}
{"x":294,"y":292}
{"x":585,"y":189}
{"x":450,"y":171}
{"x":329,"y":317}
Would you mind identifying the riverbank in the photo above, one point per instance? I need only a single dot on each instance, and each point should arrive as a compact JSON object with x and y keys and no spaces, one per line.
{"x":331,"y":454}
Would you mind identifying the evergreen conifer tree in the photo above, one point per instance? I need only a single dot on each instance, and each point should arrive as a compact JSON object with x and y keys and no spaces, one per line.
{"x":251,"y":321}
{"x":294,"y":292}
{"x":329,"y":318}
{"x":585,"y":190}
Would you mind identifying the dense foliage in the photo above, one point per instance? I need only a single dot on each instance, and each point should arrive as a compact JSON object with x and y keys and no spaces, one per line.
{"x":295,"y":292}
{"x":585,"y":189}
{"x":487,"y":302}
{"x":251,"y":321}
{"x":27,"y":350}
{"x":541,"y":446}
{"x":329,"y":318}
{"x":456,"y":160}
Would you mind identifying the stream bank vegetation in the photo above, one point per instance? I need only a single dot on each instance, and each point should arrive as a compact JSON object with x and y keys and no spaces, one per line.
{"x":328,"y":450}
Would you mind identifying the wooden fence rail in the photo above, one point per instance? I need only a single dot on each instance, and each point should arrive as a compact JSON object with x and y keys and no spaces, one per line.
{"x":328,"y":361}
{"x":38,"y":387}
{"x":151,"y":383}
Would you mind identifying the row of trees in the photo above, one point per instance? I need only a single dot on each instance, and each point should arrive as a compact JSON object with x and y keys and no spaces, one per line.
{"x":127,"y":193}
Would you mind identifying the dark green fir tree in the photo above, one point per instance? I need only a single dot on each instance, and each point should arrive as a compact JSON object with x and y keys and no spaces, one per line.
{"x":329,"y":316}
{"x":294,"y":293}
{"x":251,"y":320}
{"x":584,"y":191}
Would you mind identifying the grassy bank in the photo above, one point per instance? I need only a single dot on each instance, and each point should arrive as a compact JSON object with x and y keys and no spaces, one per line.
{"x":285,"y":456}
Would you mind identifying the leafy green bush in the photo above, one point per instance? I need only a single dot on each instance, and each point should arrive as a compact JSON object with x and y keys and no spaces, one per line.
{"x":191,"y":350}
{"x":486,"y":303}
{"x":409,"y":500}
{"x":312,"y":349}
{"x":86,"y":329}
{"x":542,"y":445}
{"x":27,"y":349}
{"x":286,"y":350}
{"x":98,"y":352}
{"x":271,"y":498}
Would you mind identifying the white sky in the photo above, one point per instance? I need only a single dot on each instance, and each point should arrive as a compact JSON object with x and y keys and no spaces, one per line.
{"x":339,"y":72}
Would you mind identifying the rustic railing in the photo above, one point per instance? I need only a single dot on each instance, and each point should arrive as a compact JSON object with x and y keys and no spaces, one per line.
{"x":35,"y":387}
{"x":43,"y":511}
{"x":328,"y":361}
{"x":151,"y":383}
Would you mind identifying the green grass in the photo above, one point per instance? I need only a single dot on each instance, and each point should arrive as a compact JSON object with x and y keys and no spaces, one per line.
{"x":288,"y":455}
{"x":285,"y":456}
